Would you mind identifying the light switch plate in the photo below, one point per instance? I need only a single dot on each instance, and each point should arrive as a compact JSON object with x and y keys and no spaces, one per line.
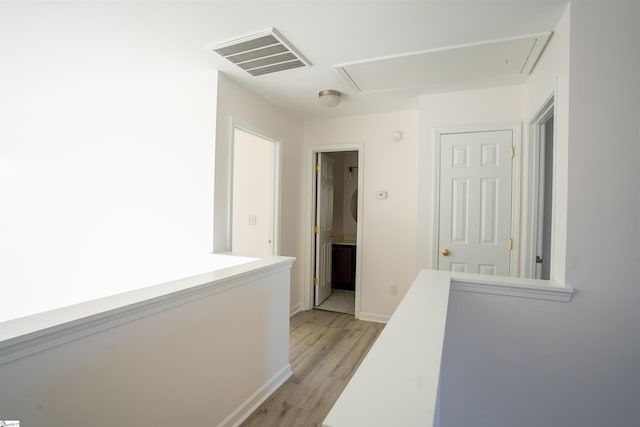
{"x":381,"y":195}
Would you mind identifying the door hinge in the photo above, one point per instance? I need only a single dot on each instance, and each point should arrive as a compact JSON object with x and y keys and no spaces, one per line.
{"x":510,"y":244}
{"x":513,"y":151}
{"x":317,"y":167}
{"x":315,"y":281}
{"x":316,"y":229}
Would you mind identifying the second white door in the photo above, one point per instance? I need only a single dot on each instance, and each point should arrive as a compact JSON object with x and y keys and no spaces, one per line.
{"x":475,"y":202}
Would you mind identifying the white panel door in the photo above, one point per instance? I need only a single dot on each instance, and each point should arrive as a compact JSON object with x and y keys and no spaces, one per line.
{"x":324,"y":221}
{"x":475,"y":202}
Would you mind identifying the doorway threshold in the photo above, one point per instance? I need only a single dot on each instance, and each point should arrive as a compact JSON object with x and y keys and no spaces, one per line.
{"x":340,"y":301}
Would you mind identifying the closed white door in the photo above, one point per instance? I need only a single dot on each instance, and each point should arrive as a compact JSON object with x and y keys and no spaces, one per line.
{"x":475,"y":202}
{"x":324,"y":224}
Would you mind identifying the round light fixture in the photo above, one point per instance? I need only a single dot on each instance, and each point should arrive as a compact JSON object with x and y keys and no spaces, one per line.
{"x":329,"y":98}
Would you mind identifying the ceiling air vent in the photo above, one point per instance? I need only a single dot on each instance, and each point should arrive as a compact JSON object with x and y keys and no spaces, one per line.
{"x":262,"y":53}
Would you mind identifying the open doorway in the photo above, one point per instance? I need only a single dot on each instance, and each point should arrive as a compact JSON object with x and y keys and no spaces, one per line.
{"x":254,"y":213}
{"x":545,"y":199}
{"x":538,"y":255}
{"x":336,"y":231}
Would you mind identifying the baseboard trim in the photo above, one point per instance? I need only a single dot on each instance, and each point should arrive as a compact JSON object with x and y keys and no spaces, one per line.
{"x":296,"y":309}
{"x":373,"y":317}
{"x":255,"y":400}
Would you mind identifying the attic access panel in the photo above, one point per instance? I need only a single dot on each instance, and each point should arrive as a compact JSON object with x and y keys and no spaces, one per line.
{"x":446,"y":67}
{"x":262,"y":53}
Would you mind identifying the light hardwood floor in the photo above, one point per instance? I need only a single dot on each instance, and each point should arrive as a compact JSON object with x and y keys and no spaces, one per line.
{"x":325,"y":350}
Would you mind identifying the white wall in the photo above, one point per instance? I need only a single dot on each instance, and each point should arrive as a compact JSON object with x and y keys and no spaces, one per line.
{"x":482,"y":106}
{"x":239,"y":104}
{"x":388,"y":226}
{"x":511,"y":361}
{"x":191,"y":365}
{"x":108,"y":118}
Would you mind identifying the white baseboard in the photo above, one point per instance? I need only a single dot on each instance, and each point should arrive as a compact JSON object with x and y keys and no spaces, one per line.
{"x":296,"y":309}
{"x":372,"y":317}
{"x":255,"y":400}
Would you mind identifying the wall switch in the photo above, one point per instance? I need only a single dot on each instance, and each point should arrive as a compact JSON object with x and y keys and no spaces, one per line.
{"x":252,"y":220}
{"x":394,"y":290}
{"x":381,"y":195}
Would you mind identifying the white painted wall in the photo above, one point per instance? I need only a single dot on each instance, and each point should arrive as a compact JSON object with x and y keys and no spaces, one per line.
{"x":239,"y":104}
{"x":253,"y":193}
{"x":108,"y":118}
{"x":388,"y":226}
{"x":483,"y":106}
{"x":195,"y":364}
{"x":510,"y":361}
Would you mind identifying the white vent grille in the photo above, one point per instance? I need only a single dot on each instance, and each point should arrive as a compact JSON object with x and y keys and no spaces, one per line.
{"x":262,"y":53}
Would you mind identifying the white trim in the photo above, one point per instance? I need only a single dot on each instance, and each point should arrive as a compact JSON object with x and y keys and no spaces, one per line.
{"x":530,"y":201}
{"x":256,"y":399}
{"x":46,"y":330}
{"x":511,"y":286}
{"x":374,"y":317}
{"x":296,"y":309}
{"x":310,"y":184}
{"x":515,"y":128}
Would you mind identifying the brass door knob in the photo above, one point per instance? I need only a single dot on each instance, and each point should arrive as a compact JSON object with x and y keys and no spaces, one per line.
{"x":445,"y":252}
{"x":333,"y":234}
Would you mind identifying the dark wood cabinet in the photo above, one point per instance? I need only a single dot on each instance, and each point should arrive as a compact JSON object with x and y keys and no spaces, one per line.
{"x":344,"y":267}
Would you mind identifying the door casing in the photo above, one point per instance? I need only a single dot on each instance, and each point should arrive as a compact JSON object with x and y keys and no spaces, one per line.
{"x":310,"y":222}
{"x":533,"y":180}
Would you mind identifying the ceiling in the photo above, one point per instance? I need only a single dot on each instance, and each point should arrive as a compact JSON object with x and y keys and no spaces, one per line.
{"x":330,"y":33}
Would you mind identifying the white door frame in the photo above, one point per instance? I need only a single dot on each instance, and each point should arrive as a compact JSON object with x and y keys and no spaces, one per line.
{"x":531,"y":202}
{"x":275,"y":223}
{"x":310,"y":222}
{"x":514,"y":127}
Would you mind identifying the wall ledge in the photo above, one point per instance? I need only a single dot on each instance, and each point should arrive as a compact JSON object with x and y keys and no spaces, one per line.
{"x":32,"y":334}
{"x":511,"y":286}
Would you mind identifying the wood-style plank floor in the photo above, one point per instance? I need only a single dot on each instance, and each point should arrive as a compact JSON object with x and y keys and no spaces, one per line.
{"x":325,"y":350}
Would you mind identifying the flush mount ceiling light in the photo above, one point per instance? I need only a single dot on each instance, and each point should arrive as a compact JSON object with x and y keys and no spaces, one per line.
{"x":329,"y":98}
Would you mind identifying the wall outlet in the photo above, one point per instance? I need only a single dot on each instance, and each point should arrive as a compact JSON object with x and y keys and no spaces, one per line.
{"x":381,"y":195}
{"x":394,"y":290}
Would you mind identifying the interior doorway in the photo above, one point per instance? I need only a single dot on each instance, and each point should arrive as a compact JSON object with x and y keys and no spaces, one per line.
{"x":336,"y":217}
{"x":544,"y":158}
{"x":539,"y":201}
{"x":254,"y":194}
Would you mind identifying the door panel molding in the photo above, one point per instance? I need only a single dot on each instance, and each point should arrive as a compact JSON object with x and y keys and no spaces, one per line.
{"x":461,"y":158}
